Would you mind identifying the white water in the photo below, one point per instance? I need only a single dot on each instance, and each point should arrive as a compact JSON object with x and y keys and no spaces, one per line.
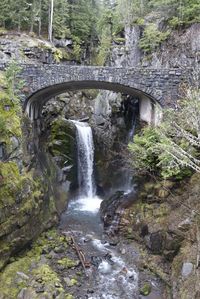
{"x":87,"y":204}
{"x":85,"y":159}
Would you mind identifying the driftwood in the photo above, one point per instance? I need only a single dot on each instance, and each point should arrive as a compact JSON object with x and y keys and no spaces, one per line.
{"x":81,"y":256}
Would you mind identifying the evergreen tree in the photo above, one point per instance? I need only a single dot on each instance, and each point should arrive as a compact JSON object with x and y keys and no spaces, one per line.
{"x":5,"y":13}
{"x":82,"y":19}
{"x":60,"y":21}
{"x":178,"y":12}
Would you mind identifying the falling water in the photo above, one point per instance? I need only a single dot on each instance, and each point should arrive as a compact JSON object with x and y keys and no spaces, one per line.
{"x":85,"y":159}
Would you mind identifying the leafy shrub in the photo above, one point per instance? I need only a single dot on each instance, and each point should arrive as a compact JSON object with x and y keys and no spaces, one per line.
{"x":57,"y":55}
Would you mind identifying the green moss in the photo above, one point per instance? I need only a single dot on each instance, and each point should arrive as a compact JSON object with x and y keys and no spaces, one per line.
{"x":73,"y":282}
{"x":48,"y":241}
{"x":67,"y":263}
{"x":119,"y":40}
{"x":14,"y":184}
{"x":46,"y":274}
{"x":62,"y":141}
{"x":10,"y":124}
{"x":2,"y":80}
{"x":10,"y":181}
{"x":146,"y":289}
{"x":8,"y":279}
{"x":37,"y":269}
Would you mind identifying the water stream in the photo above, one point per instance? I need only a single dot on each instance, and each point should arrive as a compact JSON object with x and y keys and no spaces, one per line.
{"x":113,"y":273}
{"x":85,"y":148}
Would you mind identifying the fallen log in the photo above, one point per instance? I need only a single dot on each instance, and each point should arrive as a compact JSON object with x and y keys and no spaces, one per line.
{"x":81,"y":256}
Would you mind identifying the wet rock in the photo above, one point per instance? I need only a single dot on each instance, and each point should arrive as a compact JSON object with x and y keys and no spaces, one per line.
{"x":144,"y":230}
{"x":155,"y":242}
{"x":114,"y":242}
{"x":187,"y":269}
{"x":100,"y":121}
{"x":131,"y":275}
{"x":90,"y":291}
{"x":110,"y":208}
{"x":96,"y":260}
{"x":108,"y":257}
{"x":14,"y":143}
{"x":123,"y":251}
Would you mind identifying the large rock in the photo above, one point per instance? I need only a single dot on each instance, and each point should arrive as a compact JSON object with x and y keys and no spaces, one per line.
{"x":111,"y":207}
{"x":187,"y":269}
{"x":155,"y":242}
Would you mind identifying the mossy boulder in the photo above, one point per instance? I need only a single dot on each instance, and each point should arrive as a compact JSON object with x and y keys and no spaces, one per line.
{"x":67,"y":263}
{"x":145,"y":290}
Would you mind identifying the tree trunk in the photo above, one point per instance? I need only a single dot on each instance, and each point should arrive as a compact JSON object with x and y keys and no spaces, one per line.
{"x":51,"y":20}
{"x":40,"y":18}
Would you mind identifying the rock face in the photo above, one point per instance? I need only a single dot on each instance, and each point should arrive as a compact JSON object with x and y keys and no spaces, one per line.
{"x":33,"y":190}
{"x":167,"y":226}
{"x":181,"y":49}
{"x":129,"y":53}
{"x":24,"y":48}
{"x":27,"y":206}
{"x":113,"y":121}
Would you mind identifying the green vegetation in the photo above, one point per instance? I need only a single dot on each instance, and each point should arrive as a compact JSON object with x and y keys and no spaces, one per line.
{"x":181,"y":12}
{"x":10,"y":110}
{"x":31,"y":269}
{"x":146,"y":289}
{"x":20,"y":194}
{"x":94,"y":25}
{"x":172,"y":148}
{"x":67,"y":263}
{"x":152,"y":38}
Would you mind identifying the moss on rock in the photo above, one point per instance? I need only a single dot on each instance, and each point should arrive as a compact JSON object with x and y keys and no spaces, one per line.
{"x":32,"y":273}
{"x":67,"y":263}
{"x":145,"y":290}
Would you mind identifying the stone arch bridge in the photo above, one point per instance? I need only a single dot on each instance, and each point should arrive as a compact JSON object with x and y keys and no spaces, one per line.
{"x":43,"y":82}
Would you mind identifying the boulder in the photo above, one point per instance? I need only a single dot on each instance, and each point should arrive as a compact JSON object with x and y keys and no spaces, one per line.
{"x":111,"y":207}
{"x":187,"y":269}
{"x":155,"y":242}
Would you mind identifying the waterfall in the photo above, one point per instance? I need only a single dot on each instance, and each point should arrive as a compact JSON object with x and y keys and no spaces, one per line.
{"x":85,"y":159}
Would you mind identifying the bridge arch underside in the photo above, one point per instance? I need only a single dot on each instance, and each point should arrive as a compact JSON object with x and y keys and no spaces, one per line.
{"x":34,"y":103}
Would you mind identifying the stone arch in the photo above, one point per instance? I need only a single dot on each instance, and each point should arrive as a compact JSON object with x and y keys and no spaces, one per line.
{"x":34,"y":103}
